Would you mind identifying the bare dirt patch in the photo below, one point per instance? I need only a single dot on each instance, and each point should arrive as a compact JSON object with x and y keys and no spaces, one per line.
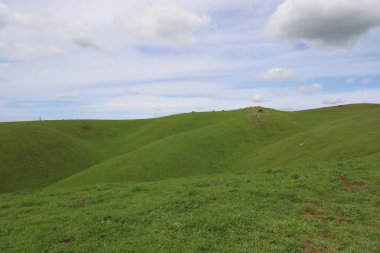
{"x":216,"y":182}
{"x":86,"y":200}
{"x":314,"y":206}
{"x":309,"y":248}
{"x":348,"y":185}
{"x":317,"y":216}
{"x":316,"y":213}
{"x":86,"y":128}
{"x":341,"y":220}
{"x":327,"y":238}
{"x":65,"y":241}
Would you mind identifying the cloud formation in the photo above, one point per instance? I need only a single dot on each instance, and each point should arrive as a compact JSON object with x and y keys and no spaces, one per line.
{"x":145,"y":65}
{"x":26,"y":51}
{"x":310,"y":89}
{"x":278,"y":74}
{"x":154,"y":103}
{"x":259,"y":99}
{"x":80,"y":36}
{"x":325,"y":23}
{"x":333,"y":101}
{"x":166,"y":23}
{"x":11,"y":17}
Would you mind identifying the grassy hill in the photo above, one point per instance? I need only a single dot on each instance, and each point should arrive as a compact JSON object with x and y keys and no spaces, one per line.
{"x":35,"y":155}
{"x":251,"y":180}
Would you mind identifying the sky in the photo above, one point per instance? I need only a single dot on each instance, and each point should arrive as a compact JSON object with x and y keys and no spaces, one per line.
{"x":124,"y":59}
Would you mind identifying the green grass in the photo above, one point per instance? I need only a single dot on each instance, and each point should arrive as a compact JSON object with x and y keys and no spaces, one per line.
{"x":281,"y":209}
{"x":35,"y":155}
{"x":231,"y":181}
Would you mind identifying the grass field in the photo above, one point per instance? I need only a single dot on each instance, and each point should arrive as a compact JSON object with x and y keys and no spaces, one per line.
{"x":330,"y":207}
{"x":251,"y":180}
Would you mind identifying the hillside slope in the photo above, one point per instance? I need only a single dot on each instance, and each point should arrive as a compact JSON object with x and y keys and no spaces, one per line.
{"x":325,"y":207}
{"x":242,"y":143}
{"x":355,"y":135}
{"x":34,"y":155}
{"x":212,"y":148}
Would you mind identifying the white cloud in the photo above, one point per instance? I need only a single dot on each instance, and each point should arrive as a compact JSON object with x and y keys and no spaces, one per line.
{"x":350,"y":80}
{"x":325,"y":23}
{"x":150,"y":103}
{"x":367,"y":80}
{"x":170,"y":24}
{"x":278,"y":74}
{"x":301,"y":101}
{"x":179,"y":88}
{"x":129,"y":92}
{"x":24,"y":51}
{"x":333,"y":101}
{"x":259,"y":99}
{"x":80,"y":35}
{"x":3,"y":65}
{"x":283,"y":92}
{"x":310,"y":89}
{"x":11,"y":17}
{"x":73,"y":96}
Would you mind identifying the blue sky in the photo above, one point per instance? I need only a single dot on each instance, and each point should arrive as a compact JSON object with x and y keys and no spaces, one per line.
{"x":120,"y":59}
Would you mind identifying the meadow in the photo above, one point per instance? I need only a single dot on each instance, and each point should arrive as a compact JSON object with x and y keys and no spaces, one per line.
{"x":250,"y":180}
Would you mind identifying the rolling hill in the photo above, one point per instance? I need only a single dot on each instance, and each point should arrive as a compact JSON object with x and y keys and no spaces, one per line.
{"x":36,"y":155}
{"x":251,"y":180}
